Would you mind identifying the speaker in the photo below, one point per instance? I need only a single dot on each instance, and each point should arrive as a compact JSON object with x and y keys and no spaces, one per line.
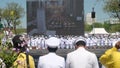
{"x":93,"y":15}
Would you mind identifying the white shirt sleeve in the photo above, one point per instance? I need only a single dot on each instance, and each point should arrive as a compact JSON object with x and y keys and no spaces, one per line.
{"x":95,"y":61}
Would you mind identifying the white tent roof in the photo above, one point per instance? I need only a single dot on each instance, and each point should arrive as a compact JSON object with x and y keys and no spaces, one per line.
{"x":98,"y":31}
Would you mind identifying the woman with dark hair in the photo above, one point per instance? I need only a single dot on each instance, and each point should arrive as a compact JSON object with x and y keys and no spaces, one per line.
{"x":23,"y":60}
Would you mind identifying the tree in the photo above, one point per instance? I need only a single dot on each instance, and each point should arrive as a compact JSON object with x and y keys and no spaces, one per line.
{"x":97,"y":25}
{"x":107,"y":25}
{"x":1,"y":25}
{"x":12,"y":14}
{"x":88,"y":27}
{"x":0,"y":14}
{"x":115,"y":28}
{"x":112,"y":8}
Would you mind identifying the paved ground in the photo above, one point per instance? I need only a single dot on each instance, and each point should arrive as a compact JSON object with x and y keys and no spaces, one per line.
{"x":62,"y":52}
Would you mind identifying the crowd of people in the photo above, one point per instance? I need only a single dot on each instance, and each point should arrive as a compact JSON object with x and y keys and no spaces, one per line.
{"x":39,"y":41}
{"x":67,"y":41}
{"x":80,"y":57}
{"x":92,"y":41}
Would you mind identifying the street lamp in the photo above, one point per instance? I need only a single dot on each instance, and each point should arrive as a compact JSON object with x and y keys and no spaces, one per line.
{"x":93,"y":19}
{"x":93,"y":13}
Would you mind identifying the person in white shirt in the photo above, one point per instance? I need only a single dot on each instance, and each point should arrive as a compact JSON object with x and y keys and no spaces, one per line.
{"x":51,"y":60}
{"x":81,"y":58}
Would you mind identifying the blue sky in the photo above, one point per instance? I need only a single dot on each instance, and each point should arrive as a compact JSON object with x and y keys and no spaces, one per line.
{"x":20,"y":2}
{"x":88,"y":5}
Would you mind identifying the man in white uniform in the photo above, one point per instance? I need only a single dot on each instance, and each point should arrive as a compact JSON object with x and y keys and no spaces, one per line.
{"x":51,"y":60}
{"x":81,"y":58}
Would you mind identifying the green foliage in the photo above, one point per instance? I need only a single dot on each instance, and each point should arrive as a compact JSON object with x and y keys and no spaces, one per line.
{"x":112,"y":7}
{"x":108,"y":27}
{"x":1,"y":26}
{"x":115,"y":28}
{"x":13,"y":11}
{"x":20,"y":31}
{"x":0,"y":11}
{"x":8,"y":55}
{"x":12,"y":14}
{"x":1,"y":36}
{"x":88,"y":27}
{"x":97,"y":25}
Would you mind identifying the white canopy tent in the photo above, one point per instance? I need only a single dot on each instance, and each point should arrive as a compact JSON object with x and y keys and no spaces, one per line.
{"x":98,"y":31}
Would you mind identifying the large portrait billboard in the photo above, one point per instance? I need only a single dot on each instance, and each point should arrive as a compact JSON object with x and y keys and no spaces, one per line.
{"x":60,"y":17}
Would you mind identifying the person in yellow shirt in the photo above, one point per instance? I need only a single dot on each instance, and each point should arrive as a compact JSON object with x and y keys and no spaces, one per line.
{"x":111,"y":57}
{"x":24,"y":60}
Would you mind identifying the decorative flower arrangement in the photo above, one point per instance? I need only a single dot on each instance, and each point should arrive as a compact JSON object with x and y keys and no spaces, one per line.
{"x":7,"y":55}
{"x":2,"y":64}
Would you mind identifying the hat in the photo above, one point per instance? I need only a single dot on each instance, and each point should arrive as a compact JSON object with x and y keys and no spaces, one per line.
{"x":53,"y":42}
{"x":79,"y":39}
